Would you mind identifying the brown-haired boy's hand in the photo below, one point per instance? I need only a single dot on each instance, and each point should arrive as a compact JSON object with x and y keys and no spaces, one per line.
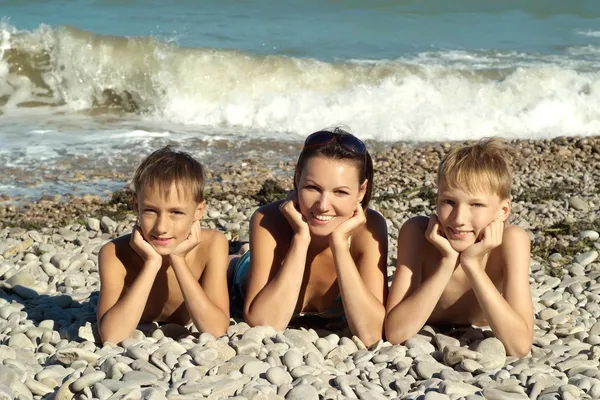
{"x":290,"y":210}
{"x":189,"y":243}
{"x":143,"y":248}
{"x":489,"y":239}
{"x":345,"y":229}
{"x":435,"y":236}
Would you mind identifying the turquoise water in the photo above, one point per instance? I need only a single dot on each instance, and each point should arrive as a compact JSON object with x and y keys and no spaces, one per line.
{"x":101,"y":80}
{"x":330,"y":30}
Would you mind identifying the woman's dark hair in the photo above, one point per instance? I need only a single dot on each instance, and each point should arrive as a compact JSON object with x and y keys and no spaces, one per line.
{"x":337,"y":151}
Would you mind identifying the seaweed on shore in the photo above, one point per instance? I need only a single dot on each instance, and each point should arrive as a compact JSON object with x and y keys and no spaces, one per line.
{"x":535,"y":195}
{"x":270,"y":191}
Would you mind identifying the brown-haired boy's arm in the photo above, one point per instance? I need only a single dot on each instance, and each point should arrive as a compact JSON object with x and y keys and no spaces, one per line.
{"x":274,"y":284}
{"x":207,"y":300}
{"x":119,"y":314}
{"x":362,"y":272}
{"x":510,"y":315}
{"x":412,"y":299}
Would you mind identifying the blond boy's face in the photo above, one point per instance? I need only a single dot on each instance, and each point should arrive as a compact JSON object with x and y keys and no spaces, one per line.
{"x":166,"y":220}
{"x":463,"y":216}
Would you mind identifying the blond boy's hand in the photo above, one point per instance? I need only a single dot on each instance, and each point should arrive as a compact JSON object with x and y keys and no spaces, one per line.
{"x":189,"y":243}
{"x":489,"y":239}
{"x":434,"y":236}
{"x":143,"y":248}
{"x":345,"y":229}
{"x":290,"y":211}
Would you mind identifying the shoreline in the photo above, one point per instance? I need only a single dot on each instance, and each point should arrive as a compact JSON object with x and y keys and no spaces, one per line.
{"x":49,"y":281}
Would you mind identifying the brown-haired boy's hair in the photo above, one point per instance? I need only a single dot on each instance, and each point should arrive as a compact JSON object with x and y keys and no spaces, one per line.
{"x":161,"y":169}
{"x":482,"y":166}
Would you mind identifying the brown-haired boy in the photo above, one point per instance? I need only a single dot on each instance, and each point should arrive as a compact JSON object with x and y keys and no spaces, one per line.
{"x":167,"y":269}
{"x":465,"y":265}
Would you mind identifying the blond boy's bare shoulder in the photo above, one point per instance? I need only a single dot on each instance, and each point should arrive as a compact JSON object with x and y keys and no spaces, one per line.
{"x":416,"y":225}
{"x":514,"y":233}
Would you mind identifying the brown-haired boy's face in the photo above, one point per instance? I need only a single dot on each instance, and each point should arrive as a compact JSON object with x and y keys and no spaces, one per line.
{"x":166,"y":220}
{"x":463,"y":216}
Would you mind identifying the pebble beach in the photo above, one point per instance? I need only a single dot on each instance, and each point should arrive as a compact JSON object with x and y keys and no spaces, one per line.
{"x":49,"y":289}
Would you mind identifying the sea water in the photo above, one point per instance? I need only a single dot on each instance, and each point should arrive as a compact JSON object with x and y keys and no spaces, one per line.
{"x":97,"y":84}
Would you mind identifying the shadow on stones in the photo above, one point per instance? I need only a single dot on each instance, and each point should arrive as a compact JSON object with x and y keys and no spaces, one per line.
{"x":74,"y":320}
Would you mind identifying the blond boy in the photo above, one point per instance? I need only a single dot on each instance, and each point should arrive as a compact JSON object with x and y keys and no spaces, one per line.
{"x":167,"y":269}
{"x":465,"y":265}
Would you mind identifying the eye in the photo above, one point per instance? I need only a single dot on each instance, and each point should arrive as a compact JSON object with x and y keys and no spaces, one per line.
{"x":478,"y":205}
{"x":448,"y":201}
{"x":342,"y":192}
{"x":311,"y":187}
{"x":148,"y":211}
{"x":177,"y":212}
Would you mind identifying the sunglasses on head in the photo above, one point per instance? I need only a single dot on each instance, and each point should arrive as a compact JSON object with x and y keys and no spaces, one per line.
{"x":348,"y":141}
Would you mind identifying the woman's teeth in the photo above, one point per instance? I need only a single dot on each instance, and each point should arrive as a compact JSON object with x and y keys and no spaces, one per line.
{"x":324,"y":217}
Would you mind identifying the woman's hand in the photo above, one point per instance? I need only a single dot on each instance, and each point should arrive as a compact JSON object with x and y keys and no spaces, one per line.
{"x":290,"y":209}
{"x":345,"y":229}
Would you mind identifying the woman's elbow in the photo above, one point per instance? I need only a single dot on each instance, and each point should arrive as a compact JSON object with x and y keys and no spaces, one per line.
{"x":395,"y":334}
{"x":256,"y":320}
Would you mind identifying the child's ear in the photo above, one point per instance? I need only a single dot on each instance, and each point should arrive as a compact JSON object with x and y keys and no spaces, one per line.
{"x":200,"y":210}
{"x":504,"y":210}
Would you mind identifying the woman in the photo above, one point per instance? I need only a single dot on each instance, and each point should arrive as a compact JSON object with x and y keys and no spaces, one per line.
{"x":322,"y":251}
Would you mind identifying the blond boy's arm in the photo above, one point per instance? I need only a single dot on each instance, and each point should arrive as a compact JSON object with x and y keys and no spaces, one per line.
{"x":510,"y":315}
{"x":273,"y":285}
{"x":363,"y":283}
{"x":412,"y":300}
{"x":207,"y":301}
{"x":118,"y":315}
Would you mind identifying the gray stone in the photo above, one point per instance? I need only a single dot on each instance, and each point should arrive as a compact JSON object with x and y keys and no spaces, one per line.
{"x":87,"y":380}
{"x":454,"y":355}
{"x":492,"y":352}
{"x":93,"y":224}
{"x":592,"y":235}
{"x":586,"y":258}
{"x":255,"y":368}
{"x":303,"y":392}
{"x":277,"y":376}
{"x":579,"y":204}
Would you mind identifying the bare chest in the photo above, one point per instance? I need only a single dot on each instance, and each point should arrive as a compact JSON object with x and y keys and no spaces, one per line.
{"x":165,"y":302}
{"x":319,"y":286}
{"x":458,"y":303}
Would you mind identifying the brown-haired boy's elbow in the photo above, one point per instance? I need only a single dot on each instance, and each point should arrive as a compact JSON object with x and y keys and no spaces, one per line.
{"x":520,"y":349}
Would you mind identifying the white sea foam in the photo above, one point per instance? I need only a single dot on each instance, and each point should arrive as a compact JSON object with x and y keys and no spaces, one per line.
{"x":451,"y":95}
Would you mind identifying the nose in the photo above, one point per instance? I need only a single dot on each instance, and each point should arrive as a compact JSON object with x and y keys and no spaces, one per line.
{"x":323,"y":202}
{"x":161,"y":225}
{"x":458,"y":215}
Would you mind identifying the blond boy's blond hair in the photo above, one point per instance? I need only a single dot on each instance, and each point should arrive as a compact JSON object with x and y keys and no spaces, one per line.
{"x":165,"y":167}
{"x":483,"y":166}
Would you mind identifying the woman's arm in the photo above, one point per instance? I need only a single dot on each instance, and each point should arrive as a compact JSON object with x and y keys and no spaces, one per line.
{"x":274,"y":284}
{"x":362,"y":276}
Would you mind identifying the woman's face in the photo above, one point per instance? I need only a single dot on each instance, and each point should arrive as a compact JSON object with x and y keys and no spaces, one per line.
{"x":328,"y":193}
